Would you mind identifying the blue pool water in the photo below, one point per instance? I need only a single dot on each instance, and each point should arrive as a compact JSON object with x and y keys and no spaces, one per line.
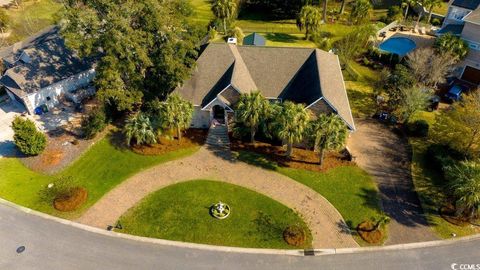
{"x":398,"y":45}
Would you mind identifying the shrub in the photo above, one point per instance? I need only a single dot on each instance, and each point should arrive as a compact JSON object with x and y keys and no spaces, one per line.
{"x":436,"y":22}
{"x":418,"y":128}
{"x":395,"y":13}
{"x":93,"y":123}
{"x":212,"y":33}
{"x":61,"y":187}
{"x":27,"y":138}
{"x":236,"y":33}
{"x":440,"y":156}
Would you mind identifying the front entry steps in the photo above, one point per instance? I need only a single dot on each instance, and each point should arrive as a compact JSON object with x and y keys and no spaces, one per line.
{"x":218,"y":136}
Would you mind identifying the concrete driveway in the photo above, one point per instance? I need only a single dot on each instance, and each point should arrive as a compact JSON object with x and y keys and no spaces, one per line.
{"x":8,"y":111}
{"x":386,"y":157}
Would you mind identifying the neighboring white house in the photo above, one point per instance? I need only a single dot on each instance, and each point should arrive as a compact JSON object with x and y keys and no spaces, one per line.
{"x":463,"y":20}
{"x":41,"y":69}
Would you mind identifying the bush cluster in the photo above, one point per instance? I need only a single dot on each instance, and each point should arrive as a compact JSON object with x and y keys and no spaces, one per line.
{"x":93,"y":123}
{"x":418,"y":128}
{"x":27,"y":138}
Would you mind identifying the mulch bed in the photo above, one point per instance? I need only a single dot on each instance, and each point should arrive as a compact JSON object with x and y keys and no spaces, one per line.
{"x":294,"y":236}
{"x":301,"y":159}
{"x":447,"y":212}
{"x":191,"y":137}
{"x":78,"y":197}
{"x":366,"y":232}
{"x":62,"y":149}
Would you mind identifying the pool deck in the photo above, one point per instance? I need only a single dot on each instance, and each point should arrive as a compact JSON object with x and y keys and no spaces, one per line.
{"x":420,"y":40}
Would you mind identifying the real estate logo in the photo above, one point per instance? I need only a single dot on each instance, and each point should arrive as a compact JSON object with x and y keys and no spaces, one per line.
{"x":465,"y":266}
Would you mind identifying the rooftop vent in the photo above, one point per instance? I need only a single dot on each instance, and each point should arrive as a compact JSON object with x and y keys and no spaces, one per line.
{"x":232,"y":40}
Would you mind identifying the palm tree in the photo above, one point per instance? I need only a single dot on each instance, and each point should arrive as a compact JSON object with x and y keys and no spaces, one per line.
{"x":251,"y":110}
{"x":342,"y":7}
{"x":224,"y":10}
{"x":177,"y":113}
{"x":360,"y":12}
{"x":291,"y":123}
{"x":454,"y":45}
{"x":329,"y":133}
{"x":309,"y":18}
{"x":407,"y":4}
{"x":465,"y":186}
{"x":430,"y":4}
{"x":420,"y":14}
{"x":325,"y":4}
{"x":139,"y":128}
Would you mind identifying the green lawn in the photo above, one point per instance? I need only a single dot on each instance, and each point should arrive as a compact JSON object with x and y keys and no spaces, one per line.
{"x":276,"y":32}
{"x":428,"y":187}
{"x":360,"y":91}
{"x":181,"y":212}
{"x":203,"y":13}
{"x":31,"y":17}
{"x":442,"y":9}
{"x":99,"y":170}
{"x":348,"y":188}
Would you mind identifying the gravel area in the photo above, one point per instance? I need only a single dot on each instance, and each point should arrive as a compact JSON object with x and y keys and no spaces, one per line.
{"x":62,"y":150}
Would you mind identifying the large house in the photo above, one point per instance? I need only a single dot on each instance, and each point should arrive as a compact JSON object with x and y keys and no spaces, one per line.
{"x":463,"y":19}
{"x":39,"y":70}
{"x":303,"y":75}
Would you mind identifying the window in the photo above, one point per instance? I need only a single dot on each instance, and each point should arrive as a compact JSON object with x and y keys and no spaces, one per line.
{"x":474,"y":46}
{"x":458,"y":14}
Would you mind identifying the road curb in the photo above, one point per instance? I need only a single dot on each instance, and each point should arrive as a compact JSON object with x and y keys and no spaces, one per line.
{"x":295,"y":252}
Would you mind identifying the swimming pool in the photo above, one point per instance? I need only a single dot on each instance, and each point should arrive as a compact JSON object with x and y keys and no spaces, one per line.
{"x":398,"y":45}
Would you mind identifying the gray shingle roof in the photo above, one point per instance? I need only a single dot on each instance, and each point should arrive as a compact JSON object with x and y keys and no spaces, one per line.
{"x":473,"y":17}
{"x":49,"y":61}
{"x":468,"y":4}
{"x":454,"y":29}
{"x":303,"y":75}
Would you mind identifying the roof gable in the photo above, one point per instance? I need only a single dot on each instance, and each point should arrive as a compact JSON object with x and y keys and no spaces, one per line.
{"x":254,"y":39}
{"x":42,"y":61}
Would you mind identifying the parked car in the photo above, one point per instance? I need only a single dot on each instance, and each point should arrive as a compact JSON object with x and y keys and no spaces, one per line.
{"x":455,"y":92}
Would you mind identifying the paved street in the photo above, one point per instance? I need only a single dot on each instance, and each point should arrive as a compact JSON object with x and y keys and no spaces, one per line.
{"x":53,"y":245}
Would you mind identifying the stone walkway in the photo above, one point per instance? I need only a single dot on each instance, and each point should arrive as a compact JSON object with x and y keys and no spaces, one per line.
{"x":216,"y":163}
{"x":385,"y":156}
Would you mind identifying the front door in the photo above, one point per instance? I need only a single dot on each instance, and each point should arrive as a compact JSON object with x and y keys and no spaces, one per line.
{"x":219,"y":114}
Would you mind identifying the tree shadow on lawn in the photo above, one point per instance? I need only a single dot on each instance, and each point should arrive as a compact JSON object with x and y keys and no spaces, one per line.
{"x":117,"y":139}
{"x":363,"y":104}
{"x":281,"y":37}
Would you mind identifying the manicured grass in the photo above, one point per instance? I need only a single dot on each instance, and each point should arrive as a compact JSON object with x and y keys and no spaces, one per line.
{"x":203,"y":13}
{"x":442,"y":9}
{"x":348,"y":188}
{"x":429,"y":188}
{"x":360,"y":92}
{"x":181,"y":212}
{"x":31,"y":17}
{"x":277,"y":32}
{"x":99,"y":170}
